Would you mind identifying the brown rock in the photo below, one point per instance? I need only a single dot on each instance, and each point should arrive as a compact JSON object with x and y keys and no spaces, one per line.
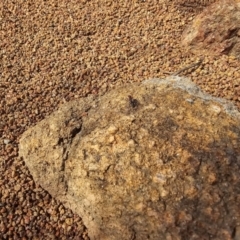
{"x":216,"y":29}
{"x":144,"y":161}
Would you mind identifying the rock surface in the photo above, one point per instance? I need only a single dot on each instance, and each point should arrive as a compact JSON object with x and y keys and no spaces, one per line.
{"x":144,"y":161}
{"x":216,"y":29}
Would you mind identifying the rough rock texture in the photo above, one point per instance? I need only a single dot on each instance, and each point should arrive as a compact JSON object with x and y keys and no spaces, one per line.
{"x":216,"y":29}
{"x":195,"y":6}
{"x":157,"y":160}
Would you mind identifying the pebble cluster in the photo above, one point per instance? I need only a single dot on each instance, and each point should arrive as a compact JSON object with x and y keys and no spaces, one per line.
{"x":54,"y":51}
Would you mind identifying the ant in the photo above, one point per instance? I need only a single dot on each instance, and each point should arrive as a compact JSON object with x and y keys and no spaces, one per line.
{"x":133,"y":102}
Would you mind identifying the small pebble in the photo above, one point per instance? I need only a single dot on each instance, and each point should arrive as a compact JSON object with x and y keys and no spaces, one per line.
{"x":6,"y":141}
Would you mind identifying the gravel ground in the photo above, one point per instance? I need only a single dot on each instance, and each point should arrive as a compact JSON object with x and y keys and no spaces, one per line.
{"x":53,"y":51}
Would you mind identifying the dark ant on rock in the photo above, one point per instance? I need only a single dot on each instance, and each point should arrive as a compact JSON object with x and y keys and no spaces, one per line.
{"x":133,"y":102}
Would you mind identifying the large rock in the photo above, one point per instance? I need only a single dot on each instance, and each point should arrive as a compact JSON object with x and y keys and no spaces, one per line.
{"x":157,"y":160}
{"x":216,"y":29}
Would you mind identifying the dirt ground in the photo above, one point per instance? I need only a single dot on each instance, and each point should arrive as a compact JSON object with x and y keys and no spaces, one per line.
{"x":53,"y":51}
